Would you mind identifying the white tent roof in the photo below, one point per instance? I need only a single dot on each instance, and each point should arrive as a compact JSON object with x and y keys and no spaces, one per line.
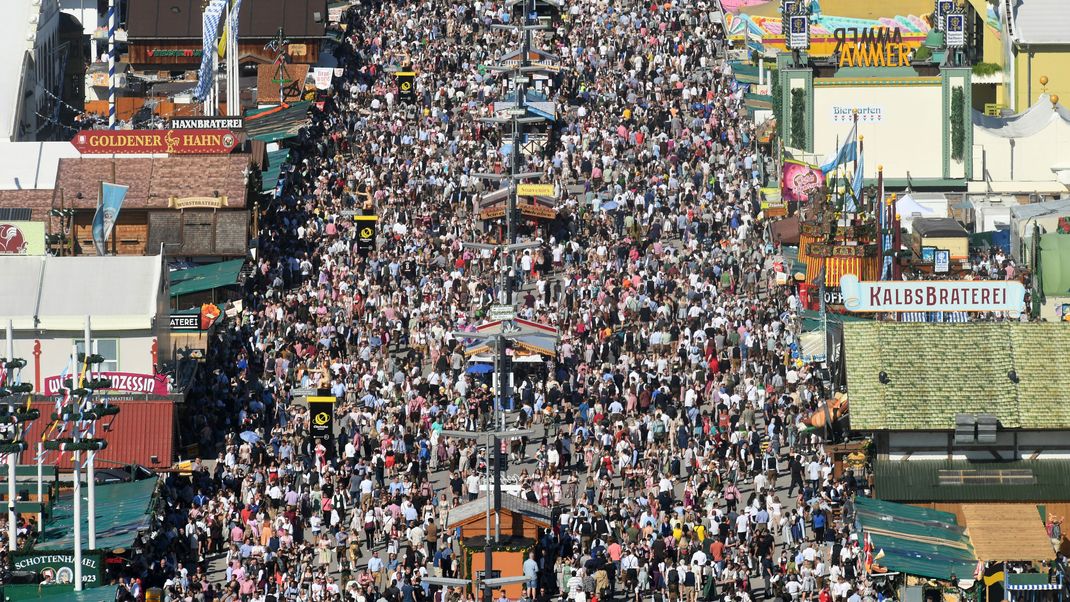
{"x":1026,"y":123}
{"x":25,"y":165}
{"x":1040,"y":21}
{"x":906,"y":205}
{"x":56,"y":293}
{"x":1056,"y":207}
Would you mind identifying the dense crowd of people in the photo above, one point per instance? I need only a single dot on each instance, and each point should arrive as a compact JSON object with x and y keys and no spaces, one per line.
{"x":672,"y":446}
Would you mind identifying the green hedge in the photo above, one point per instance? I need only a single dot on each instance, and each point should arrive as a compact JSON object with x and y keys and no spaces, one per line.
{"x":798,"y":118}
{"x":958,"y":129}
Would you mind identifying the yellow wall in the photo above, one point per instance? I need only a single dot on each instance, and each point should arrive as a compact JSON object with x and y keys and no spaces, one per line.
{"x":1054,"y":62}
{"x":993,"y":47}
{"x":854,"y":9}
{"x":959,"y":246}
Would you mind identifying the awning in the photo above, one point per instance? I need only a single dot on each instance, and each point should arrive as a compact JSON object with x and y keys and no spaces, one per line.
{"x":526,"y":335}
{"x":1007,"y":532}
{"x":277,"y":123}
{"x":60,"y":593}
{"x":206,"y":277}
{"x":812,"y":321}
{"x":122,"y":511}
{"x":916,"y":541}
{"x":269,"y":177}
{"x":1017,"y":582}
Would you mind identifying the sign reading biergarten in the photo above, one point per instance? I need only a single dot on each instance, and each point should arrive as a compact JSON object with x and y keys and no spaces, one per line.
{"x":940,"y":295}
{"x":152,"y":142}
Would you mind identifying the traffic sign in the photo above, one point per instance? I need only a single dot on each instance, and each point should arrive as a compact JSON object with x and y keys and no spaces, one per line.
{"x":535,"y":189}
{"x":501,"y":312}
{"x":517,"y":111}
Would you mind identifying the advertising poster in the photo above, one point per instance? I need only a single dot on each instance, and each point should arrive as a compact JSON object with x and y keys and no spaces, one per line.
{"x":800,"y":180}
{"x":321,"y":416}
{"x":22,"y":238}
{"x":365,"y":232}
{"x":406,"y":86}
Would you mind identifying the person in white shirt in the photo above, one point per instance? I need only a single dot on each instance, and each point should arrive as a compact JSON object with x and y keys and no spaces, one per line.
{"x":472,"y":482}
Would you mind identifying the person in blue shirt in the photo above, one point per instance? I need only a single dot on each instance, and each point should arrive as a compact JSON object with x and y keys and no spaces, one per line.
{"x":818,"y":524}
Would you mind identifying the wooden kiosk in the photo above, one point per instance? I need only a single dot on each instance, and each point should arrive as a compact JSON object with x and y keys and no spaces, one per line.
{"x":518,"y":529}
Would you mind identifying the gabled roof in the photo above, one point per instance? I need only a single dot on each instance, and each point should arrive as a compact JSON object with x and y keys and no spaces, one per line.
{"x":511,"y":503}
{"x":936,"y":371}
{"x":154,"y":180}
{"x":1040,"y":21}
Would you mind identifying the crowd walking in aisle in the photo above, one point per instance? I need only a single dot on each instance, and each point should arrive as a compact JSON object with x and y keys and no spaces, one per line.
{"x":671,"y":445}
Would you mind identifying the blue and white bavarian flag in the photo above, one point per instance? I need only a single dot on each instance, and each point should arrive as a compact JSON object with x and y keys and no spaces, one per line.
{"x":846,"y":153}
{"x":856,"y":185}
{"x":213,"y":13}
{"x":111,"y":202}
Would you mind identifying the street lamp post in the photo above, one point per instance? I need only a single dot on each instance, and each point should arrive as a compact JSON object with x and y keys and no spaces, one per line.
{"x":83,"y":410}
{"x":493,"y":439}
{"x":16,"y":419}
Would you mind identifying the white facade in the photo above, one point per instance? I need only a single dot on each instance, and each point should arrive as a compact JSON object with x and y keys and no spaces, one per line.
{"x":1027,"y":152}
{"x":50,"y":297}
{"x":889,"y":115}
{"x":134,"y":352}
{"x":31,"y":71}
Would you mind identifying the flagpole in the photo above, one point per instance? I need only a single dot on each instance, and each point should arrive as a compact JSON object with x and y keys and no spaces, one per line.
{"x":879,"y":215}
{"x":860,"y":201}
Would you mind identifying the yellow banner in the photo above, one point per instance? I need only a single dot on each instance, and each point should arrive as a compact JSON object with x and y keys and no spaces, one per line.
{"x":535,"y":189}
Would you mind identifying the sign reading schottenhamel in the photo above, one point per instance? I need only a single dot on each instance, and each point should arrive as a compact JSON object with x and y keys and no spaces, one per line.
{"x":937,"y":295}
{"x":206,"y":123}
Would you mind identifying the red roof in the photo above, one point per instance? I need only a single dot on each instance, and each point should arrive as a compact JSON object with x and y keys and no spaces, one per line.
{"x":142,"y":429}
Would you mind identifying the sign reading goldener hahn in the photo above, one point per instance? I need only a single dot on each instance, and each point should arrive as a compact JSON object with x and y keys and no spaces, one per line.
{"x":171,"y":142}
{"x":937,"y":295}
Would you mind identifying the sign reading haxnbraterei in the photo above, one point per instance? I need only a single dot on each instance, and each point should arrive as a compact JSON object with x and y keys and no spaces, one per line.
{"x":205,"y":123}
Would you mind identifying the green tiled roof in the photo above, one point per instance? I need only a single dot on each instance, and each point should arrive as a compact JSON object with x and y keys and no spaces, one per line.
{"x":919,"y":481}
{"x":936,"y":371}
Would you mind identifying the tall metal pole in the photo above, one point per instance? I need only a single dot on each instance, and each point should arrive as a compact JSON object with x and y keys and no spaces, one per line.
{"x":40,"y":485}
{"x":111,"y":63}
{"x":233,"y":90}
{"x":216,"y":73}
{"x":77,"y":482}
{"x":503,"y":390}
{"x":12,"y":461}
{"x":488,"y":561}
{"x":90,"y":472}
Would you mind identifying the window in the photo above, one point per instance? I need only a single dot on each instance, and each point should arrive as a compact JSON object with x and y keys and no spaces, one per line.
{"x":984,"y":476}
{"x":109,"y":348}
